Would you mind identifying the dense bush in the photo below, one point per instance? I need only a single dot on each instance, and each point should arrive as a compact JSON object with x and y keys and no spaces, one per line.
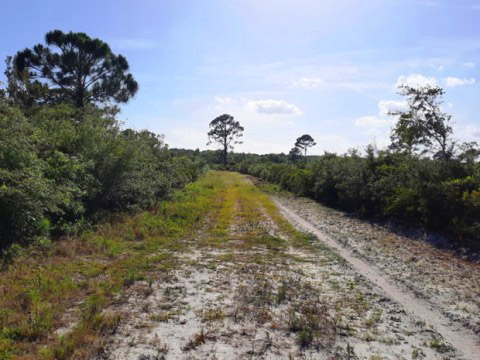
{"x":65,"y":161}
{"x":62,"y":167}
{"x":386,"y":185}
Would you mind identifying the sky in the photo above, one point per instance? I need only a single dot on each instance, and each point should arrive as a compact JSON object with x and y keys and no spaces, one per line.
{"x":282,"y":68}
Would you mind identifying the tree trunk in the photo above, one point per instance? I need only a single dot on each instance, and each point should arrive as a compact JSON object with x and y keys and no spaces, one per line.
{"x":79,"y":100}
{"x":225,"y":155}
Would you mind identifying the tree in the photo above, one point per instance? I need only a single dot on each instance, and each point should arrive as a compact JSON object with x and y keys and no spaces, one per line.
{"x":294,"y":154}
{"x":225,"y":131}
{"x":469,"y":152}
{"x":83,"y":70}
{"x":407,"y":135}
{"x":22,"y":92}
{"x":424,"y":124}
{"x":304,"y":142}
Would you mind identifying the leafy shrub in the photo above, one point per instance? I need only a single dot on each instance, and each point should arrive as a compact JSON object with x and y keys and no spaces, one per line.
{"x":61,"y":168}
{"x":385,"y":185}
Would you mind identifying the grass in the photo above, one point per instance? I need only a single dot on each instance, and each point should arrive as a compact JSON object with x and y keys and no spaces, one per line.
{"x":440,"y":346}
{"x":213,"y":315}
{"x":233,"y":225}
{"x":164,"y":316}
{"x":312,"y":324}
{"x":84,"y":273}
{"x":198,"y":340}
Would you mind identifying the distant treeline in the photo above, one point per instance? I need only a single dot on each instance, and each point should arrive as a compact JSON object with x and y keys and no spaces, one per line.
{"x":384,"y":185}
{"x":381,"y":185}
{"x":65,"y":161}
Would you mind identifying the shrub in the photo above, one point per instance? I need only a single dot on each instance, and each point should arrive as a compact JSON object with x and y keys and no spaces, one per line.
{"x":407,"y":189}
{"x":61,"y":168}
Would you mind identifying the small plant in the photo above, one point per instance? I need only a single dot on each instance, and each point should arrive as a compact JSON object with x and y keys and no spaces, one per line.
{"x":312,"y":324}
{"x":213,"y":315}
{"x":374,"y":318}
{"x":164,"y":316}
{"x":305,"y":338}
{"x":417,"y":354}
{"x":281,"y":293}
{"x":440,"y":346}
{"x":197,"y":340}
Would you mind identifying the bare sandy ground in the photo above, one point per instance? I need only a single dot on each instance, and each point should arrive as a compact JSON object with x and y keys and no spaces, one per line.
{"x":257,"y":295}
{"x":464,"y":340}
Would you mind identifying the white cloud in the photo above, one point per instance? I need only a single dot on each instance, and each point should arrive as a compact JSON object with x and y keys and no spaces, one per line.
{"x":416,"y":80}
{"x":308,"y":83}
{"x":467,"y":132}
{"x":469,"y":65}
{"x":387,"y":106}
{"x":270,"y":106}
{"x":371,"y":122}
{"x":134,"y":44}
{"x":472,"y":131}
{"x":453,"y":81}
{"x":225,"y":100}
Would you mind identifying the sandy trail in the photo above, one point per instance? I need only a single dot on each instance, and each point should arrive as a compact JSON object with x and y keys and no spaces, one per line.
{"x":261,"y":289}
{"x":464,"y":341}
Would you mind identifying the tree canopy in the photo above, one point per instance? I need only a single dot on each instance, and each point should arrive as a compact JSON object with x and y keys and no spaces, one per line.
{"x":294,"y":154}
{"x":225,"y":131}
{"x":76,"y":69}
{"x":424,"y":127}
{"x":304,"y":142}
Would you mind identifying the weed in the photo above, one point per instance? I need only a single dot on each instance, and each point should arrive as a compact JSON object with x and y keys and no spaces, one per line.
{"x":312,"y":324}
{"x":281,"y":293}
{"x":440,"y":346}
{"x":213,"y":315}
{"x":374,"y":318}
{"x":417,"y":353}
{"x":164,"y":316}
{"x":198,"y":339}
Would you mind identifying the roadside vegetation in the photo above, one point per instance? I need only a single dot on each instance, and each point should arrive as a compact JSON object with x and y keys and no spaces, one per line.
{"x":415,"y":192}
{"x":66,"y":286}
{"x":66,"y":161}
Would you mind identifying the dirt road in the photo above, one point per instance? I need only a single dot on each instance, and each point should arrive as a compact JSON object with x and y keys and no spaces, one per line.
{"x":248,"y":284}
{"x":465,"y":341}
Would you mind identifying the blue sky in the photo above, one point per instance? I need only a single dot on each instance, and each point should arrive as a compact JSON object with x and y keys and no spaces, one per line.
{"x":282,"y":68}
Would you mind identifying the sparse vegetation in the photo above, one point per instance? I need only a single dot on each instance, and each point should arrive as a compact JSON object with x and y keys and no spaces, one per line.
{"x":37,"y":290}
{"x":114,"y":246}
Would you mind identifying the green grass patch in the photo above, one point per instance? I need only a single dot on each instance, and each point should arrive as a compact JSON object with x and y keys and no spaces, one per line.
{"x":36,"y":290}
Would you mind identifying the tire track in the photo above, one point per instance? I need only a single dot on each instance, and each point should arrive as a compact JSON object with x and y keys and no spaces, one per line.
{"x":463,"y":340}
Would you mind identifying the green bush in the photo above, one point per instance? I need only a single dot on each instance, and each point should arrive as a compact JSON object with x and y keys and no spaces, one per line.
{"x":410,"y":190}
{"x":61,"y":168}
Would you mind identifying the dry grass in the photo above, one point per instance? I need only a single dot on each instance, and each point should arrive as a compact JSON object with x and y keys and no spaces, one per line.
{"x":217,"y":267}
{"x":74,"y":279}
